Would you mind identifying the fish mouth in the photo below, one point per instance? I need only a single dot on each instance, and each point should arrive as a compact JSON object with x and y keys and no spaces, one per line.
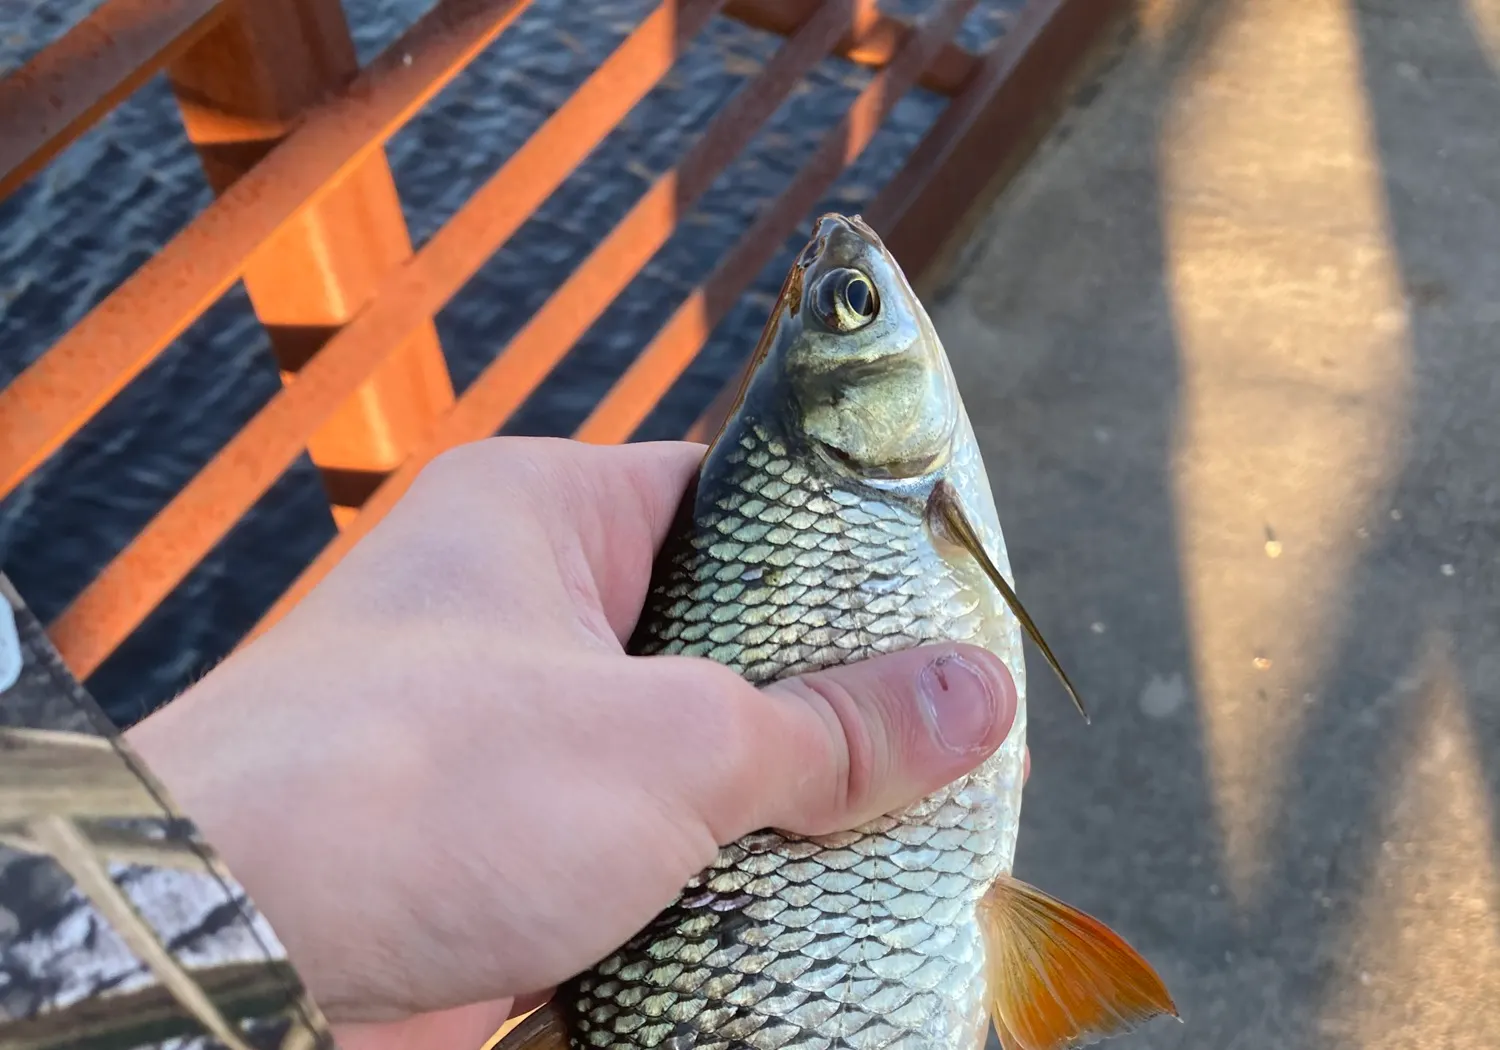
{"x":841,"y":240}
{"x":899,"y":470}
{"x":853,"y":224}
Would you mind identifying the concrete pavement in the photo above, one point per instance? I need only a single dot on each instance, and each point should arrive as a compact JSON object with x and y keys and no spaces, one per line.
{"x":1232,"y":346}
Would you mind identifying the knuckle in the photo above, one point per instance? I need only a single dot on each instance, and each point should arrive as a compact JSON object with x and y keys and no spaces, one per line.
{"x":493,"y":461}
{"x":852,"y":739}
{"x":457,"y":463}
{"x":701,"y":700}
{"x":718,"y":728}
{"x":728,"y":709}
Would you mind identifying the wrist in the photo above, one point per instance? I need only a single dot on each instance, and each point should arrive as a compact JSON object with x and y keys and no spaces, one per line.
{"x":198,"y":759}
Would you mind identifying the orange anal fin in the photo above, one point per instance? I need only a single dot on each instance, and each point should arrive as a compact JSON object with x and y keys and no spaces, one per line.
{"x":542,"y":1029}
{"x":1059,"y":978}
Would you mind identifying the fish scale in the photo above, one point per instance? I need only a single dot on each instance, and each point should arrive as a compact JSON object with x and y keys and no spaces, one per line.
{"x":865,"y":939}
{"x":785,"y":571}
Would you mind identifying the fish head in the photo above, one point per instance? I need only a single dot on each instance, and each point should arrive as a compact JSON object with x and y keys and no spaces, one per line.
{"x":850,"y":370}
{"x":863,"y":377}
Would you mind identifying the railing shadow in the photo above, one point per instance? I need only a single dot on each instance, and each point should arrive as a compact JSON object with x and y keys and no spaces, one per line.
{"x":1289,"y":797}
{"x":1061,"y":330}
{"x":1397,"y":783}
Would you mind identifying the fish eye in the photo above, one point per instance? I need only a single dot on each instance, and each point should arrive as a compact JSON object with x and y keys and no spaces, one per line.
{"x":845,"y":300}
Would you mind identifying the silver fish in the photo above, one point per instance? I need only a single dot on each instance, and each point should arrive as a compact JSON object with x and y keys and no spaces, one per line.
{"x":844,"y":511}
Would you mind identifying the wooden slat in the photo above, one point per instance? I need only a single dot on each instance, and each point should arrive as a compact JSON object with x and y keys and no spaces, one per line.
{"x":64,"y":90}
{"x":953,"y":169}
{"x":947,"y":74}
{"x":241,"y":90}
{"x":522,"y":365}
{"x":482,"y":409}
{"x":983,"y":137}
{"x":51,"y":400}
{"x":973,"y":148}
{"x":678,"y":342}
{"x":185,"y":530}
{"x":706,"y":427}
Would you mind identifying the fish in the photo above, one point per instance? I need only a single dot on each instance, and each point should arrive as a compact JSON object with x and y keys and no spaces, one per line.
{"x":842,"y":511}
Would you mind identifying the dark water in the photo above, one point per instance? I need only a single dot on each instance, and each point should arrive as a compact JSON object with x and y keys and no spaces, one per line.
{"x":76,"y":231}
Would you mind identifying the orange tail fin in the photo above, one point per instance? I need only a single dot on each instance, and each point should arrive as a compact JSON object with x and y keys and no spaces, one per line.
{"x":1059,"y":978}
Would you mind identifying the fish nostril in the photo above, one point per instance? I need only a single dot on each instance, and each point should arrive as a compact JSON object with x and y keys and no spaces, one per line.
{"x":811,"y":252}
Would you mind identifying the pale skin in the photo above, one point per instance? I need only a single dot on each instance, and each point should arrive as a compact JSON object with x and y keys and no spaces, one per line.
{"x":448,"y":788}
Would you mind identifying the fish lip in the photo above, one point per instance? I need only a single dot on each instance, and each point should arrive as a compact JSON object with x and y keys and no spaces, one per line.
{"x":854,"y":224}
{"x":902,"y":473}
{"x":845,"y":241}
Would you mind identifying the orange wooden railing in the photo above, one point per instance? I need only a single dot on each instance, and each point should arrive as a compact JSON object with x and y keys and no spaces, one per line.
{"x":291,"y":136}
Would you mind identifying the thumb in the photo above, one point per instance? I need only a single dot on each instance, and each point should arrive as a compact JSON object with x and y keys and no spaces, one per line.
{"x":464,"y":1026}
{"x":871,"y":737}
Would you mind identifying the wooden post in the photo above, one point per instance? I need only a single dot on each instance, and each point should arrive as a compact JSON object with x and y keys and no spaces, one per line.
{"x":241,"y":89}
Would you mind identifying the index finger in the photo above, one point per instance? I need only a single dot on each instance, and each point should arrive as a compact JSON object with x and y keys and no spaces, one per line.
{"x":604,"y":509}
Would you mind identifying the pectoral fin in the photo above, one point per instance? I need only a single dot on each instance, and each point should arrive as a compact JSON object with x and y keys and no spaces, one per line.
{"x":945,"y":512}
{"x":1060,"y":978}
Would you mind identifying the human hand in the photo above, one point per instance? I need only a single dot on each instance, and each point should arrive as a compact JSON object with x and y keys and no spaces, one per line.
{"x":447,"y":787}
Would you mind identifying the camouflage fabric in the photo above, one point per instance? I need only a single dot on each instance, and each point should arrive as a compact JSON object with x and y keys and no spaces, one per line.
{"x":119,"y":927}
